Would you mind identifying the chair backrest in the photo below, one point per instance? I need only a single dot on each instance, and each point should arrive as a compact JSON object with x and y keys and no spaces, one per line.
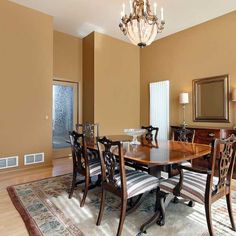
{"x":110,"y":164}
{"x":223,"y":159}
{"x":150,"y":131}
{"x":183,"y":135}
{"x":79,"y":151}
{"x":90,"y":130}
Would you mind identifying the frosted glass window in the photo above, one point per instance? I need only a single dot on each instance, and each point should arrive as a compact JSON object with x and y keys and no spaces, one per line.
{"x":159,"y":108}
{"x":63,"y":114}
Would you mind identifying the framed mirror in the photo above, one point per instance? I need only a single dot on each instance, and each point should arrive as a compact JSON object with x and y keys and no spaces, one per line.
{"x":211,"y":99}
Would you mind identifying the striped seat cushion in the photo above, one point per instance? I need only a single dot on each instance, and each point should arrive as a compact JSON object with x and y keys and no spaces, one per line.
{"x":92,"y":154}
{"x":137,"y":182}
{"x":94,"y":167}
{"x":194,"y":185}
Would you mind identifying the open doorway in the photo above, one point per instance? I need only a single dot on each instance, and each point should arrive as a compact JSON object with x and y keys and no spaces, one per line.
{"x":64,"y":114}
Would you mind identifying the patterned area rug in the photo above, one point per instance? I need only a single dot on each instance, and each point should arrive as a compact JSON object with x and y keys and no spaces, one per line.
{"x":47,"y":211}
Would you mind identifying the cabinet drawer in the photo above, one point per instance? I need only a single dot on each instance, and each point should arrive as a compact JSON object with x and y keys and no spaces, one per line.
{"x":206,"y":136}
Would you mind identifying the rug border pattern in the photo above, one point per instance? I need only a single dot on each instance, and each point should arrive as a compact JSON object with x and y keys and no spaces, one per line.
{"x":30,"y":224}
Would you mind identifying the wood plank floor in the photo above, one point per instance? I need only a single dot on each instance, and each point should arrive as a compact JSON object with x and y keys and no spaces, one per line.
{"x":11,"y":223}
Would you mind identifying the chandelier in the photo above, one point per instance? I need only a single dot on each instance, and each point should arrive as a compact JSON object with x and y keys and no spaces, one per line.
{"x":141,"y":25}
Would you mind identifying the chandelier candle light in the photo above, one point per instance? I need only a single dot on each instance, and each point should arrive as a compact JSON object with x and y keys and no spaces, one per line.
{"x":141,"y":25}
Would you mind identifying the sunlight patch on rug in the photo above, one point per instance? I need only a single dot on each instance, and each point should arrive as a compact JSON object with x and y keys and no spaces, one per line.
{"x":47,"y":211}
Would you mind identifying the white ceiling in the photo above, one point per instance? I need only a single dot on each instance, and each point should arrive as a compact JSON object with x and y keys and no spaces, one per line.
{"x":80,"y":17}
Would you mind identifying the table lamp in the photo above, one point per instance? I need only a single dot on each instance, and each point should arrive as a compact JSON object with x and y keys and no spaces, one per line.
{"x":183,"y":100}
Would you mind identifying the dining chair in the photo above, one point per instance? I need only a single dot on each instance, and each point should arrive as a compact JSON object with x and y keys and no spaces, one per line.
{"x":207,"y":186}
{"x":91,"y":133}
{"x":82,"y":164}
{"x":123,"y":183}
{"x":183,"y":135}
{"x":90,"y":130}
{"x":148,"y":139}
{"x":150,"y":131}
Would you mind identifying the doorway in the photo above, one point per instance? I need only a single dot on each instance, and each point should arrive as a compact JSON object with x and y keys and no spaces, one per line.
{"x":64,"y":113}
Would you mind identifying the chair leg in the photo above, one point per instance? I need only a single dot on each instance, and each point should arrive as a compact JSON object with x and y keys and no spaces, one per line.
{"x":208,"y":218}
{"x":230,"y":210}
{"x":161,"y":220}
{"x":102,"y":204}
{"x":86,"y":187}
{"x":191,"y":203}
{"x":73,"y":184}
{"x":175,"y":200}
{"x":122,"y":216}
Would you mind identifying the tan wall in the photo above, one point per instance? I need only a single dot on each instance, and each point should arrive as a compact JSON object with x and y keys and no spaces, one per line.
{"x":117,"y":85}
{"x":26,"y":46}
{"x":67,"y":61}
{"x":88,"y":78}
{"x":202,"y":51}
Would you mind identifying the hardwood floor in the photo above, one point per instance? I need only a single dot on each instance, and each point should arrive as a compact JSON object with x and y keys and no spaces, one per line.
{"x":11,"y":223}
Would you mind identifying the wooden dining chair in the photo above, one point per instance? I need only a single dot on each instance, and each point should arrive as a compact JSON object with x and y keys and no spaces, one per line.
{"x":90,"y":130}
{"x":150,"y":132}
{"x":91,"y":133}
{"x":123,"y":183}
{"x":183,"y":135}
{"x":207,"y":186}
{"x":82,"y":164}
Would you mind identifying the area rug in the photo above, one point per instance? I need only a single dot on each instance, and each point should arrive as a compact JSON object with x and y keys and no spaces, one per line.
{"x":47,"y":211}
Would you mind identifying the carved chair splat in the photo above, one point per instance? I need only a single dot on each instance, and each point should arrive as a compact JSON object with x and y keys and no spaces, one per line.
{"x":223,"y":152}
{"x":123,"y":183}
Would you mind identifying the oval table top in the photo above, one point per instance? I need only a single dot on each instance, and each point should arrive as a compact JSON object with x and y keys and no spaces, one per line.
{"x":164,"y":152}
{"x":160,"y":152}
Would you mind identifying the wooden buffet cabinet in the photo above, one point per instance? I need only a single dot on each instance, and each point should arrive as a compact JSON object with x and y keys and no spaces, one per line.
{"x":206,"y":135}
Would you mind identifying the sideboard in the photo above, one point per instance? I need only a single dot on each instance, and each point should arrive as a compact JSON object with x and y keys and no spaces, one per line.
{"x":206,"y":135}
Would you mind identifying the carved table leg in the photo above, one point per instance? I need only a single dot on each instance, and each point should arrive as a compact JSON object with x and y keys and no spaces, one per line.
{"x":159,"y":215}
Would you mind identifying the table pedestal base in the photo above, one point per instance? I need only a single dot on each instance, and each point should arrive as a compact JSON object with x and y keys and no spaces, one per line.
{"x":162,"y":201}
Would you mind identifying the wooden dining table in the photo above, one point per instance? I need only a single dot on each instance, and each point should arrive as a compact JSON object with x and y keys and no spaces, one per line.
{"x":157,"y":154}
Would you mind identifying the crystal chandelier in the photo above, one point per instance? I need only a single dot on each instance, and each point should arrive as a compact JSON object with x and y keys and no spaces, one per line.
{"x":141,"y":25}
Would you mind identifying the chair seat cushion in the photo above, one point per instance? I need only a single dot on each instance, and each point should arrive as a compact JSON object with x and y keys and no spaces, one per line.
{"x":186,"y":163}
{"x":137,"y":182}
{"x":92,"y":154}
{"x":94,"y":167}
{"x":194,"y":185}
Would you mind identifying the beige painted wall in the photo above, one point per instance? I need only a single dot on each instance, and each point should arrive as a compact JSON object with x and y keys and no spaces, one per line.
{"x":202,"y":51}
{"x":67,"y":61}
{"x":117,"y":85}
{"x":88,"y":78}
{"x":111,"y":83}
{"x":26,"y":46}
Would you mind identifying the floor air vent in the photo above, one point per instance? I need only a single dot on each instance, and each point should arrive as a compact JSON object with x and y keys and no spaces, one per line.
{"x":35,"y":158}
{"x":8,"y":162}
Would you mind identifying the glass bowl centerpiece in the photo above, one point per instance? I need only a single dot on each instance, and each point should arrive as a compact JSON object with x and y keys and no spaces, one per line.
{"x":134,"y":133}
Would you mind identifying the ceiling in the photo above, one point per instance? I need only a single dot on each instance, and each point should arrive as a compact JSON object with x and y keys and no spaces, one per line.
{"x":81,"y":17}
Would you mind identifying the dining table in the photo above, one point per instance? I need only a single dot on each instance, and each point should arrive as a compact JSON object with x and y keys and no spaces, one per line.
{"x":159,"y":153}
{"x":155,"y":155}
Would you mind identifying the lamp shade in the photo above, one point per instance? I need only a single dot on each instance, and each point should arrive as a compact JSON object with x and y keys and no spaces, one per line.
{"x":234,"y":95}
{"x":183,"y":98}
